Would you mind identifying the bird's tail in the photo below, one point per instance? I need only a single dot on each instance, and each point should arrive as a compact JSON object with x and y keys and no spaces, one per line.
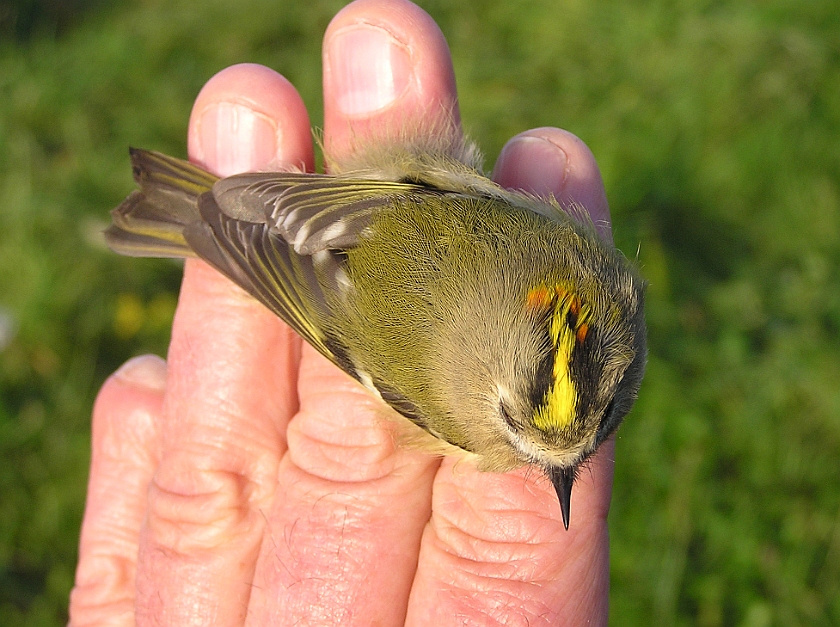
{"x":151,"y":221}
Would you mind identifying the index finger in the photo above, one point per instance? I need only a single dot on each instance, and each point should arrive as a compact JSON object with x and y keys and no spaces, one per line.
{"x":221,"y":434}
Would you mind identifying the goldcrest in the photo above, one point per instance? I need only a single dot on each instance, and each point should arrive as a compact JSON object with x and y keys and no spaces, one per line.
{"x":491,"y":319}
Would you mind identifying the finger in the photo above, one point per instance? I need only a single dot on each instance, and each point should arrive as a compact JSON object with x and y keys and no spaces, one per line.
{"x":352,"y":506}
{"x":496,"y":552}
{"x":124,"y":455}
{"x":387,"y":71}
{"x":248,"y":117}
{"x":222,"y":432}
{"x":348,"y":514}
{"x":551,"y":161}
{"x":496,"y":543}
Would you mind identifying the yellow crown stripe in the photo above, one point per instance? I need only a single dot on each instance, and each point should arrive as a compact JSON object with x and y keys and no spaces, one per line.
{"x":568,"y":326}
{"x":558,"y":410}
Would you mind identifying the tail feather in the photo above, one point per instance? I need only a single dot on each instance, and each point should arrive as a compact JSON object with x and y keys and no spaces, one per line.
{"x":151,"y":221}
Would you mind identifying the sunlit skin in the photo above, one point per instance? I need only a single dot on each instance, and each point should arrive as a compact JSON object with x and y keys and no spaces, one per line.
{"x":246,"y":477}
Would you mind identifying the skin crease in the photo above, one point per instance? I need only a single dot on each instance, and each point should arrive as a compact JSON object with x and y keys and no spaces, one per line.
{"x":247,"y":481}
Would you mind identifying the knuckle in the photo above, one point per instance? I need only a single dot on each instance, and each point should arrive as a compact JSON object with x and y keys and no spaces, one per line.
{"x":196,"y":506}
{"x":344,"y":437}
{"x":103,"y":589}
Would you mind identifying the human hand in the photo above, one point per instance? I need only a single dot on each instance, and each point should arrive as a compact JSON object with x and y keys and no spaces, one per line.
{"x":248,"y":480}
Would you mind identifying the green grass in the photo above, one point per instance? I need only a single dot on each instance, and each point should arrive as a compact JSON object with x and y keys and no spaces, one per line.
{"x":717,"y":127}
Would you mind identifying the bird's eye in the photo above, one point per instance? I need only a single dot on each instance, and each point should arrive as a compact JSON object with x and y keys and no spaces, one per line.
{"x":608,"y":412}
{"x":607,"y":421}
{"x":506,"y":416}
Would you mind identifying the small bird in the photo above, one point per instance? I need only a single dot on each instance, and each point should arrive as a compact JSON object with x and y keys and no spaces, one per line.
{"x":491,"y":319}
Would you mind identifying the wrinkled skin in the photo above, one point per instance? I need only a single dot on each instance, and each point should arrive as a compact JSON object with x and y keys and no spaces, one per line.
{"x":247,"y":481}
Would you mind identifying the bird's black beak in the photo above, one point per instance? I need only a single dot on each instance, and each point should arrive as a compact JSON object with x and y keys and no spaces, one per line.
{"x":563,"y":478}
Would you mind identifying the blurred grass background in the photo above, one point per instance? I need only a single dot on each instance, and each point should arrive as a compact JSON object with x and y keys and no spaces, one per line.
{"x":717,"y":128}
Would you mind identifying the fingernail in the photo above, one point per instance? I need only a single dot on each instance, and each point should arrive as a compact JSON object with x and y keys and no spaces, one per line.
{"x":147,"y":371}
{"x":533,"y":164}
{"x":235,"y":138}
{"x":368,"y":69}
